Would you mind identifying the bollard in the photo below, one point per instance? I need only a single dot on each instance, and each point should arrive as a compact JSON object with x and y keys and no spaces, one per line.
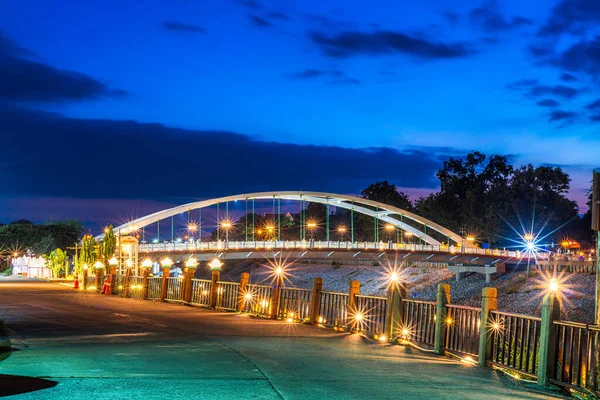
{"x":547,"y":351}
{"x":443,"y":298}
{"x":214,"y":287}
{"x":145,"y":276}
{"x":165,"y":282}
{"x":489,"y":302}
{"x":244,"y":279}
{"x":276,"y":297}
{"x":352,"y":307}
{"x":395,"y":310}
{"x":316,"y":300}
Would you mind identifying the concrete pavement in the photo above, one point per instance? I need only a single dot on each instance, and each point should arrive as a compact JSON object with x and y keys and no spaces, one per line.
{"x":73,"y":345}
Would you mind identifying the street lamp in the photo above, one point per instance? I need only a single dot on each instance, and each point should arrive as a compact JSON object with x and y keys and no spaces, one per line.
{"x":215,"y":264}
{"x":342,"y":231}
{"x":226,"y":225}
{"x":270,"y":230}
{"x":192,"y":263}
{"x":311,"y":225}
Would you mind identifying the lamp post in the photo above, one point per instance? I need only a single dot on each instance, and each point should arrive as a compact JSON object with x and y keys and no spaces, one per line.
{"x":311,"y":225}
{"x":226,"y":225}
{"x":341,"y":231}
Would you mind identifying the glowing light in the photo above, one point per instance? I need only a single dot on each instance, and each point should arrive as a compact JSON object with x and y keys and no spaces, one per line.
{"x":215,"y":264}
{"x":408,"y":234}
{"x":113,"y":262}
{"x":449,"y":321}
{"x":147,"y":263}
{"x":530,"y":246}
{"x":192,"y":227}
{"x":129,"y":263}
{"x":405,"y":333}
{"x":289,"y":320}
{"x":270,"y":228}
{"x":311,"y":224}
{"x":191,"y":263}
{"x":85,"y":266}
{"x":248,"y":296}
{"x":529,"y":237}
{"x":496,"y":326}
{"x":389,"y":227}
{"x":341,"y":229}
{"x":394,"y":277}
{"x":279,"y":270}
{"x":291,"y":314}
{"x":204,"y":292}
{"x":553,"y":285}
{"x":166,"y":262}
{"x":98,"y":265}
{"x":226,"y":224}
{"x":321,"y":320}
{"x":470,"y":238}
{"x":383,"y":338}
{"x":358,"y":317}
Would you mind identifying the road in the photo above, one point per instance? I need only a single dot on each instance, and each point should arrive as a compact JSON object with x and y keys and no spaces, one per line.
{"x":71,"y":345}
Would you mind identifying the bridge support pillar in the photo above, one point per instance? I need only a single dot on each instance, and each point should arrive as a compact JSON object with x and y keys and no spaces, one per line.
{"x":489,"y":302}
{"x":316,"y":300}
{"x":214,"y":287}
{"x":547,"y":355}
{"x":395,"y":310}
{"x":145,"y":276}
{"x":126,"y":284}
{"x":244,"y":279}
{"x":165,"y":282}
{"x":443,"y":298}
{"x":352,"y":308}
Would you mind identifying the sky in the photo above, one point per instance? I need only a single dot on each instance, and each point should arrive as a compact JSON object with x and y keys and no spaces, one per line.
{"x":114,"y":109}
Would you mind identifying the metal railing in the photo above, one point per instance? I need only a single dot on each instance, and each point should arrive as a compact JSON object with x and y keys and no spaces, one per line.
{"x":154,"y":287}
{"x":201,"y":292}
{"x":577,"y":356}
{"x":295,"y":303}
{"x":118,"y":285}
{"x":515,"y":341}
{"x":462,"y":329}
{"x":136,"y":287}
{"x":333,"y":309}
{"x":373,"y":310}
{"x":174,"y":288}
{"x":90,"y":282}
{"x":257,"y":299}
{"x":418,"y":323}
{"x":309,"y":244}
{"x":228,"y":295}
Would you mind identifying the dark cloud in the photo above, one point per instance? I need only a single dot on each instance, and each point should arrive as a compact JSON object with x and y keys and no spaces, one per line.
{"x":548,"y":103}
{"x":573,"y":16}
{"x":260,"y":22}
{"x":250,"y":4}
{"x":355,"y":43}
{"x":491,"y":20}
{"x":560,"y":115}
{"x":583,"y":56}
{"x":181,"y":27}
{"x":565,"y":77}
{"x":345,"y":81}
{"x":595,"y":118}
{"x":451,"y":17}
{"x":522,"y":84}
{"x":566,"y":92}
{"x":317,"y":73}
{"x":593,"y":105}
{"x":164,"y":170}
{"x":24,"y":80}
{"x":327,"y":22}
{"x":277,"y":15}
{"x":540,"y":51}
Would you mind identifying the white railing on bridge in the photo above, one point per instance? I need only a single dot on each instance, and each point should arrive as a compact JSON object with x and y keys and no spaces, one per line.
{"x":324,"y":245}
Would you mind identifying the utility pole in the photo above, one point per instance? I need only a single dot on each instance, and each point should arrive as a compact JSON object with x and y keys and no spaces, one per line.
{"x":596,"y":227}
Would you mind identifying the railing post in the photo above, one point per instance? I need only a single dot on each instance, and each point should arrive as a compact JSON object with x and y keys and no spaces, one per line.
{"x":548,"y":350}
{"x":489,"y":302}
{"x":126,"y":284}
{"x":352,"y":308}
{"x":276,"y":297}
{"x":98,"y":275}
{"x":111,"y":276}
{"x":165,"y":282}
{"x":244,"y":279}
{"x":443,"y":298}
{"x":85,"y":275}
{"x":186,"y":284}
{"x":214,"y":287}
{"x":395,"y":309}
{"x":145,"y":276}
{"x":316,"y":300}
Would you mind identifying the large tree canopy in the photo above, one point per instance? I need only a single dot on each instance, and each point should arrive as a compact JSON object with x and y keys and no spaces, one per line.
{"x":40,"y":239}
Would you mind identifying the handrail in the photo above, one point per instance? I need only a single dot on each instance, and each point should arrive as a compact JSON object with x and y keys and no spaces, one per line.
{"x":362,"y":296}
{"x":461,"y":307}
{"x":578,"y":325}
{"x":508,"y":314}
{"x":420,"y":301}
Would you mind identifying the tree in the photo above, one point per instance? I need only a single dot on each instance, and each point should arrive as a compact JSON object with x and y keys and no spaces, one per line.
{"x":109,"y":243}
{"x":388,"y":194}
{"x":87,"y":256}
{"x":56,"y":261}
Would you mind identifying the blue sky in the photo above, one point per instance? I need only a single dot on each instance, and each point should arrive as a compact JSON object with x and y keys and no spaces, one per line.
{"x":427,"y":80}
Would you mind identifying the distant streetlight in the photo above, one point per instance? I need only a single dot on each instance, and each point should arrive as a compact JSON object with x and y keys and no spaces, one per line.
{"x":311,"y":225}
{"x":226,"y":225}
{"x":341,"y":231}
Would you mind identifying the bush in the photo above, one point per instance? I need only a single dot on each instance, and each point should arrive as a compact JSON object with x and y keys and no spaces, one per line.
{"x":7,"y":272}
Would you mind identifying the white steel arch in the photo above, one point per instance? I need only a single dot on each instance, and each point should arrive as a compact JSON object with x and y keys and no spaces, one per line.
{"x":383,"y":212}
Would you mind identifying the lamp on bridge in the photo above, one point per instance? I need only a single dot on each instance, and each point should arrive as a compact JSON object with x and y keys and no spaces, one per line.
{"x":166,"y":262}
{"x":311,"y":225}
{"x":192,"y":263}
{"x":147,"y":263}
{"x":341,"y":231}
{"x":226,"y":224}
{"x":215,"y":264}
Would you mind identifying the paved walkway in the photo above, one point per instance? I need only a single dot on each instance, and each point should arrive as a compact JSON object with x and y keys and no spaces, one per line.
{"x":73,"y":345}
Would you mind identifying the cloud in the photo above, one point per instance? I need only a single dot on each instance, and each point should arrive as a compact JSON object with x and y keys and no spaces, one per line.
{"x":489,"y":18}
{"x":595,"y":118}
{"x":24,"y":80}
{"x":260,"y":22}
{"x":573,"y":16}
{"x":250,"y":4}
{"x":345,"y":81}
{"x":593,"y":105}
{"x":40,"y":161}
{"x":277,"y":15}
{"x":317,"y":73}
{"x":583,"y":56}
{"x":522,"y":84}
{"x":565,"y":77}
{"x":377,"y":43}
{"x":560,"y":115}
{"x":548,"y":103}
{"x":566,"y":92}
{"x":181,"y":27}
{"x":451,"y":17}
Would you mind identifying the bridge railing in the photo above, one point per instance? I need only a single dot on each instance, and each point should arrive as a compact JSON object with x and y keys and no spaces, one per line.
{"x":418,"y":322}
{"x":295,"y":303}
{"x":228,"y":295}
{"x":373,"y":313}
{"x":90,"y":282}
{"x":136,"y":286}
{"x":201,"y":292}
{"x":333,"y":309}
{"x":259,"y":299}
{"x":174,"y":288}
{"x":118,"y":285}
{"x":462,"y":329}
{"x":325,"y":245}
{"x":154,"y":287}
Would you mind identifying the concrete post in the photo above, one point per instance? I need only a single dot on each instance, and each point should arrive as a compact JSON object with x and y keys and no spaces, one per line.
{"x":145,"y":276}
{"x":489,"y":302}
{"x":244,"y":279}
{"x":276,"y":297}
{"x":395,"y":310}
{"x":98,"y":275}
{"x":352,"y":308}
{"x":165,"y":282}
{"x":316,"y":300}
{"x":113,"y":272}
{"x":214,"y":287}
{"x":443,"y":298}
{"x":85,"y":275}
{"x":186,"y":284}
{"x":126,"y":284}
{"x":547,"y":354}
